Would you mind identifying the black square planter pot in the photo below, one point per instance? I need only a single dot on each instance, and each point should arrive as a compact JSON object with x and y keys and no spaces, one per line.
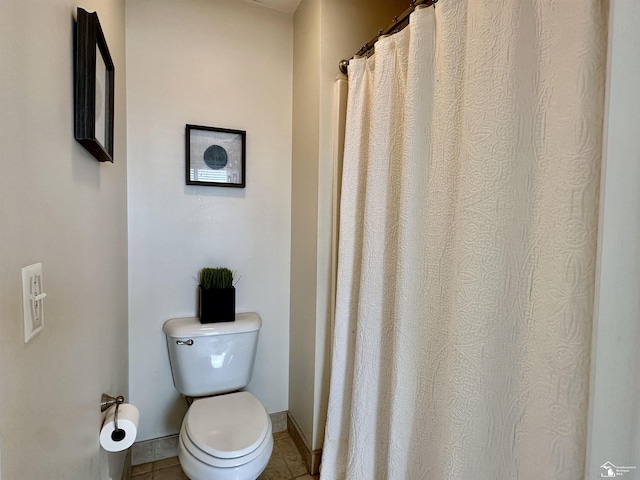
{"x":217,"y":305}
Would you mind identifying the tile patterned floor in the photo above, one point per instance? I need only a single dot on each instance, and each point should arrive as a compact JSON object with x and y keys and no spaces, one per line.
{"x":285,"y":464}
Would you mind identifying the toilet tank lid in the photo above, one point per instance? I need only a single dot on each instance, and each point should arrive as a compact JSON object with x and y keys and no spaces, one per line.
{"x":191,"y":326}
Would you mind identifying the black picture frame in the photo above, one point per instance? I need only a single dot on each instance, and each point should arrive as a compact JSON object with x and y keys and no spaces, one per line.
{"x":215,"y":157}
{"x":94,"y":88}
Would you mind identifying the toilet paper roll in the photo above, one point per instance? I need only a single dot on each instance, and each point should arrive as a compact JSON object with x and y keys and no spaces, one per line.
{"x":113,"y":440}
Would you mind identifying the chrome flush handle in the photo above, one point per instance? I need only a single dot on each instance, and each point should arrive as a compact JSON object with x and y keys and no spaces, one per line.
{"x":183,"y":342}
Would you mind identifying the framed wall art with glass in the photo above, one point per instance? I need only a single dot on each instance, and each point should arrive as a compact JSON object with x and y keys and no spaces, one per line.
{"x":215,"y":157}
{"x":94,"y":88}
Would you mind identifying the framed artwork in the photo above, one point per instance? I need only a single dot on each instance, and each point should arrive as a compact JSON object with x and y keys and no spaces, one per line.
{"x":215,"y":156}
{"x":94,"y":88}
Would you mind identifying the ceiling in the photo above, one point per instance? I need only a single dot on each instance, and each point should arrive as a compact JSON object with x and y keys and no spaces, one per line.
{"x":288,"y":6}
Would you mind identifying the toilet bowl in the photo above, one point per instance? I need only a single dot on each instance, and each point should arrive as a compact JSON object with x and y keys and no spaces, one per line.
{"x":227,"y":437}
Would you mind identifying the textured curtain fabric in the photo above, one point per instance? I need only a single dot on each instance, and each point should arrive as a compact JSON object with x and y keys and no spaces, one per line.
{"x":467,"y":246}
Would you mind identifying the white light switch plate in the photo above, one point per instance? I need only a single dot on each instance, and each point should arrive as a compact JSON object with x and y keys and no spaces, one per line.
{"x":32,"y":300}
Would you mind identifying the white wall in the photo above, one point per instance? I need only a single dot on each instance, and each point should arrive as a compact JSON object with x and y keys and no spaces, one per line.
{"x":219,"y":63}
{"x":614,"y":433}
{"x":61,"y":207}
{"x":304,"y":212}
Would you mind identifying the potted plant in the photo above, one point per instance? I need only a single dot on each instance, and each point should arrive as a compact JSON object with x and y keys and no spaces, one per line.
{"x":217,"y":295}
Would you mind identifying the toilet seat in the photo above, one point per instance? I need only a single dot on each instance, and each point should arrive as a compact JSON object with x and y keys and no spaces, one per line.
{"x":226,"y":431}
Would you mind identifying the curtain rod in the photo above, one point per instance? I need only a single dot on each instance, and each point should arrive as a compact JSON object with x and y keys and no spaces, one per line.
{"x":397,"y":21}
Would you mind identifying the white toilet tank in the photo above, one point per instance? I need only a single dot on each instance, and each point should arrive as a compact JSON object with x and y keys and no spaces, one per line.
{"x":212,"y":358}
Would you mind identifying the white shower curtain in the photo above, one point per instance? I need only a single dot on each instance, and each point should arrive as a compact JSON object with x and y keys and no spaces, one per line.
{"x":467,"y":246}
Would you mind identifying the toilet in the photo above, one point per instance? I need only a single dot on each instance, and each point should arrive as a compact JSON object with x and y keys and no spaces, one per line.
{"x":226,"y":433}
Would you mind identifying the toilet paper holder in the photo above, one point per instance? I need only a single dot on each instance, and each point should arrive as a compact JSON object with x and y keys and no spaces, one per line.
{"x":107,"y":401}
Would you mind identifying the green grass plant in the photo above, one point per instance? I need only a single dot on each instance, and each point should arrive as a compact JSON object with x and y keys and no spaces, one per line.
{"x":218,"y":277}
